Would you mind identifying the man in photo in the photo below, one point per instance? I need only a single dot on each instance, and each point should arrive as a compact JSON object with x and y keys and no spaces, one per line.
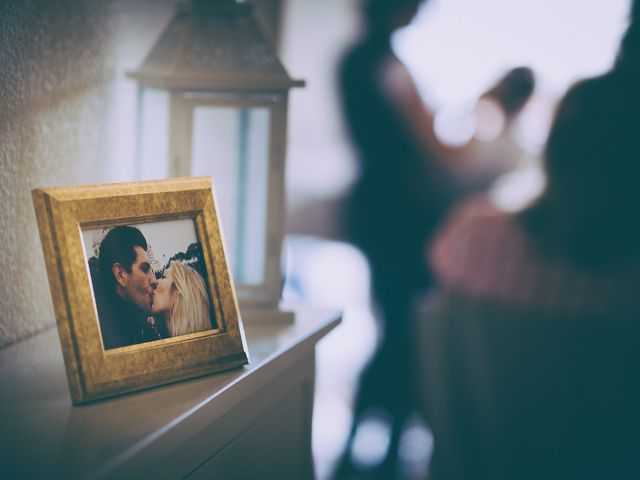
{"x":124,"y":286}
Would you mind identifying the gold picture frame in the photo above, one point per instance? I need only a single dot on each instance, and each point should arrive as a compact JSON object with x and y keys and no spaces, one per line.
{"x":93,"y":370}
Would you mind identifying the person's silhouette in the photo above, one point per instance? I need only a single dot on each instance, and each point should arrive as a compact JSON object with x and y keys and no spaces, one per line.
{"x":526,"y":355}
{"x":394,"y":207}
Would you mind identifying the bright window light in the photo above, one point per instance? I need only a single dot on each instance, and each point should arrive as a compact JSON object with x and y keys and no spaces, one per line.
{"x":457,"y":48}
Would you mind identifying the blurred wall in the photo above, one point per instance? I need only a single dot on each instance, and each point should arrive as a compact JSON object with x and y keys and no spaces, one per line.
{"x":55,"y":87}
{"x":320,"y":165}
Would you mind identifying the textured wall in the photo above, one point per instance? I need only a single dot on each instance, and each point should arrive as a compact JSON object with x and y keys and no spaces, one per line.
{"x":67,"y":116}
{"x":55,"y":89}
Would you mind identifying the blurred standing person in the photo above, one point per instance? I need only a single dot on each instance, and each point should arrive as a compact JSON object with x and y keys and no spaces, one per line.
{"x":396,"y":204}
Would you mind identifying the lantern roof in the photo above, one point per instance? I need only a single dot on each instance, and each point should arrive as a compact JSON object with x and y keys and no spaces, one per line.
{"x":213,"y":44}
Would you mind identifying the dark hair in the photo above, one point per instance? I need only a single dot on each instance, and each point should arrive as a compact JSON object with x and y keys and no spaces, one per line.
{"x":630,"y":47}
{"x":376,"y":12}
{"x":118,"y":246}
{"x":592,"y":160}
{"x":588,"y":212}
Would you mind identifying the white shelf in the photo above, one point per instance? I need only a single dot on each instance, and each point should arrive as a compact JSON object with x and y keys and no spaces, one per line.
{"x":171,"y":430}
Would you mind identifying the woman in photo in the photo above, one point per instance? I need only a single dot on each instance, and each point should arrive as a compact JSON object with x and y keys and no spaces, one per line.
{"x":181,"y":300}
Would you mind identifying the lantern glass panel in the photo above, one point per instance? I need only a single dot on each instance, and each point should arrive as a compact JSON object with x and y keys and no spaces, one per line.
{"x":154,"y":142}
{"x":232,"y":145}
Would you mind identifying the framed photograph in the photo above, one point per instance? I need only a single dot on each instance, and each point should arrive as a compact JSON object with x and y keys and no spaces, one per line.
{"x":140,"y":284}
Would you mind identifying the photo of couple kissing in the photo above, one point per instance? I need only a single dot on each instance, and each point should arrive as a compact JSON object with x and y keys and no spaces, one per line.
{"x":138,"y":303}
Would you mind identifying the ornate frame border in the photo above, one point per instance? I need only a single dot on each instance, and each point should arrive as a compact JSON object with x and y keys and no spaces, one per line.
{"x":93,"y":372}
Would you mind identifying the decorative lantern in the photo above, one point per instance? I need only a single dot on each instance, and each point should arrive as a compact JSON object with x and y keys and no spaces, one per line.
{"x":213,"y":101}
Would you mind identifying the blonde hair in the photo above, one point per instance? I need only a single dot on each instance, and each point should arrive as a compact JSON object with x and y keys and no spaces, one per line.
{"x":190,"y":309}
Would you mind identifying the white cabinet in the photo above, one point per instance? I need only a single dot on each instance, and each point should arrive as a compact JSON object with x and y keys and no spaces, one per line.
{"x":253,"y":422}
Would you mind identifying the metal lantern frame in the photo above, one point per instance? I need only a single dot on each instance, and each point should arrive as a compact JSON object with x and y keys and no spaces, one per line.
{"x":214,"y":54}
